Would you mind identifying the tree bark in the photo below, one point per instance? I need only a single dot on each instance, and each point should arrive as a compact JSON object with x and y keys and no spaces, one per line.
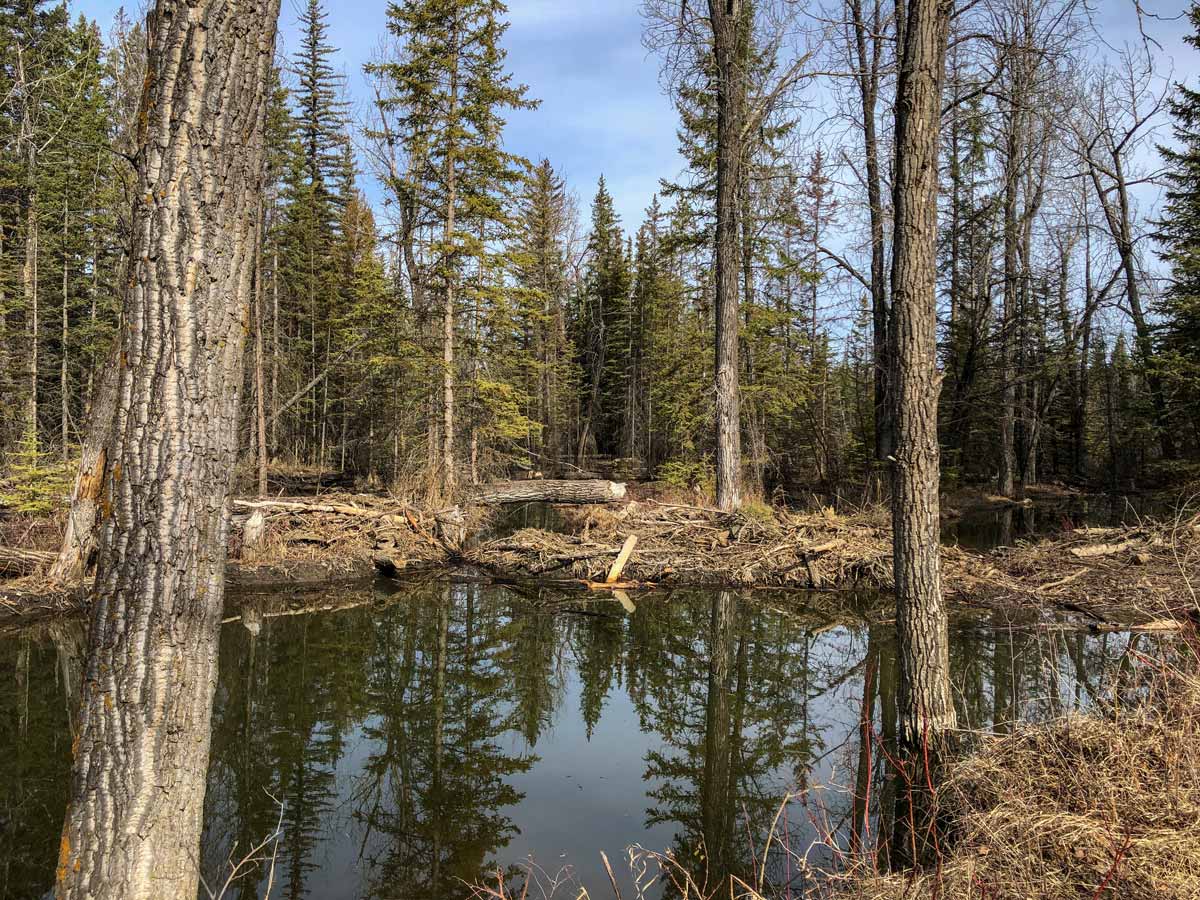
{"x":728,"y":41}
{"x":260,"y":404}
{"x":926,"y":707}
{"x":133,"y":826}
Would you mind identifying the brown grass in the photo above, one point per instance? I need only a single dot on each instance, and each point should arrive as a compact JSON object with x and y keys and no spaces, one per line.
{"x":1089,"y":807}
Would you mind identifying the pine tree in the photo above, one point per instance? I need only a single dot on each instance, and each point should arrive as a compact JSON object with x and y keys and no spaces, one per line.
{"x":1179,"y":234}
{"x":602,"y":332}
{"x":541,"y":266}
{"x":449,"y":89}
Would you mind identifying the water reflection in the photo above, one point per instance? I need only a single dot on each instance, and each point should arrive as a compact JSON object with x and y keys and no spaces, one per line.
{"x":417,"y":739}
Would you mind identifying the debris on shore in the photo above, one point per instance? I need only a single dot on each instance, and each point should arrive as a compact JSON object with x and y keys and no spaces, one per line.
{"x":1139,"y":575}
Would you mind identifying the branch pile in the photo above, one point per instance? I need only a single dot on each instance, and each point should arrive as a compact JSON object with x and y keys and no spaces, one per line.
{"x":355,"y":528}
{"x":691,"y":545}
{"x":1127,"y":574}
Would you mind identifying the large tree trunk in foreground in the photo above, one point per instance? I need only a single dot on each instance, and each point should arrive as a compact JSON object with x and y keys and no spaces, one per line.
{"x":728,"y":44}
{"x":926,"y":707}
{"x":133,"y":825}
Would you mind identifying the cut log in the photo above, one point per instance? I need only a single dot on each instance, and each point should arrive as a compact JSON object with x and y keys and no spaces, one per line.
{"x":614,"y":574}
{"x":577,"y":491}
{"x":1094,"y":550}
{"x":337,"y":509}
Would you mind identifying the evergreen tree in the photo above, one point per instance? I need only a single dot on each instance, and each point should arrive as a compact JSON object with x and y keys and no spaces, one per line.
{"x":1179,"y":234}
{"x":602,"y":329}
{"x":449,"y":89}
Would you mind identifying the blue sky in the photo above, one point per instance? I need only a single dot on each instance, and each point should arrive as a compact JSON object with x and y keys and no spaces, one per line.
{"x":603,"y":109}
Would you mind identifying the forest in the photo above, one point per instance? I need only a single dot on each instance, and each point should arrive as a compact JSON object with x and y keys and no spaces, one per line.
{"x":473,"y":317}
{"x":272,"y":326}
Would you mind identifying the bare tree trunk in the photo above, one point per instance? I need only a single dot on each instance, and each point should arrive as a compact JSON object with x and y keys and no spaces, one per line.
{"x":64,"y":406}
{"x":274,"y":347}
{"x":133,"y":826}
{"x":29,"y":278}
{"x":448,"y":464}
{"x":83,"y":522}
{"x":728,"y":44}
{"x":926,"y":706}
{"x":867,"y":39}
{"x":260,"y":405}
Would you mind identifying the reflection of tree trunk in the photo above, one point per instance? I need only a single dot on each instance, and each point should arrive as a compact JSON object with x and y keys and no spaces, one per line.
{"x":138,"y":781}
{"x":439,"y":727}
{"x":888,"y":721}
{"x":859,"y":820}
{"x":715,"y":801}
{"x":70,"y":644}
{"x":22,"y":673}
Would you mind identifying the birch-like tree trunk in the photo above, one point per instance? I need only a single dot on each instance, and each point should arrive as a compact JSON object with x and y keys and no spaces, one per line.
{"x":727,"y":18}
{"x":926,"y":707}
{"x":133,"y":825}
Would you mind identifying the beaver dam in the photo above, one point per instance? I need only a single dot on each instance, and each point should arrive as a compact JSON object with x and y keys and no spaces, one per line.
{"x":1137,"y":574}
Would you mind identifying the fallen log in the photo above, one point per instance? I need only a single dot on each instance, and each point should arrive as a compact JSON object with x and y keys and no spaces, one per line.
{"x":576,"y":491}
{"x":336,"y":509}
{"x":14,"y":561}
{"x":1094,"y":550}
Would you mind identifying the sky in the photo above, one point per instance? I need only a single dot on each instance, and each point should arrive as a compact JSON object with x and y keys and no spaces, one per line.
{"x":603,"y":109}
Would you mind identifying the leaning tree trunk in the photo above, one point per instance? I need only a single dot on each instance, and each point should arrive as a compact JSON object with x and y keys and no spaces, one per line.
{"x":926,"y":707}
{"x":133,"y":825}
{"x":727,"y":25}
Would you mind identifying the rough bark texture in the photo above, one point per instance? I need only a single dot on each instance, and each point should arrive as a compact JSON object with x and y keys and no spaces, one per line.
{"x":583,"y":491}
{"x":133,"y":825}
{"x":926,"y":707}
{"x":726,"y":17}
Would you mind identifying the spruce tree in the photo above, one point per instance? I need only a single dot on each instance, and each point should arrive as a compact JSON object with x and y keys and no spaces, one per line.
{"x":449,"y":90}
{"x":1179,"y":234}
{"x":602,"y":329}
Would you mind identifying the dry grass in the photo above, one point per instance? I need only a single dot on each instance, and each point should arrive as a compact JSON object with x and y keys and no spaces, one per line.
{"x":1089,"y":807}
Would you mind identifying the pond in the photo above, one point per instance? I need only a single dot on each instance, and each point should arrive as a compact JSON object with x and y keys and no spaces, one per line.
{"x":988,"y":527}
{"x":423,"y":737}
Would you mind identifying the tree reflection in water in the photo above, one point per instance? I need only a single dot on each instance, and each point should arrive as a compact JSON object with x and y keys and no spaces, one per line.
{"x":421,"y":738}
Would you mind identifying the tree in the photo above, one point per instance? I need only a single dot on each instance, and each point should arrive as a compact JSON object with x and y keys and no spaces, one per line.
{"x":545,"y":217}
{"x":1179,"y":236}
{"x":926,"y":705}
{"x":133,"y":826}
{"x":601,"y":329}
{"x":449,"y":90}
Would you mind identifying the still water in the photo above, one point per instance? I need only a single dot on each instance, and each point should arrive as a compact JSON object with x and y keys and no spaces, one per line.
{"x":420,"y":738}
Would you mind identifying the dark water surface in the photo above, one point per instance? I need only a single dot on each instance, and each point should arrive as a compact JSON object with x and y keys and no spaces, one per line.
{"x":986,"y":528}
{"x":423,"y":737}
